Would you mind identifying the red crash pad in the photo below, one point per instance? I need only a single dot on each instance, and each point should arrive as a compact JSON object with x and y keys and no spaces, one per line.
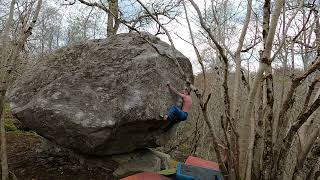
{"x":146,"y":176}
{"x":194,"y":161}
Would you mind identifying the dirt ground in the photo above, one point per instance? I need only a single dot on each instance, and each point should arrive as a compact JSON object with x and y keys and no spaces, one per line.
{"x":26,"y":161}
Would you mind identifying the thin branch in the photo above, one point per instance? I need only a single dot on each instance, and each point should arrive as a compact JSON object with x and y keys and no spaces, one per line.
{"x":251,"y":46}
{"x":308,"y":96}
{"x":208,"y":30}
{"x":286,"y":30}
{"x":206,"y":103}
{"x":101,"y":6}
{"x":173,"y":49}
{"x":183,"y":39}
{"x":199,"y":58}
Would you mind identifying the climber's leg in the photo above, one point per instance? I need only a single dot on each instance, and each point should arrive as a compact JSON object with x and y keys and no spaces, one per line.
{"x":172,"y":113}
{"x":171,"y":117}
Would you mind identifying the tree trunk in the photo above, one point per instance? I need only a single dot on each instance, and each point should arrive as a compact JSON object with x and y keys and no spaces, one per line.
{"x":287,"y":141}
{"x":306,"y":172}
{"x":236,"y":96}
{"x":268,"y":144}
{"x":258,"y":144}
{"x":5,"y":50}
{"x":265,"y":61}
{"x":42,"y":35}
{"x":302,"y":156}
{"x":113,"y":24}
{"x":4,"y":160}
{"x":235,"y":115}
{"x":10,"y":62}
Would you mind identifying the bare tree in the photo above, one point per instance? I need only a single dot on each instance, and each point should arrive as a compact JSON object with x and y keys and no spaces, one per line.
{"x":9,"y":63}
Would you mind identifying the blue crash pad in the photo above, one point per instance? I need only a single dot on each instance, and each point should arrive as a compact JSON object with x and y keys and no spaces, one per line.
{"x":189,"y":172}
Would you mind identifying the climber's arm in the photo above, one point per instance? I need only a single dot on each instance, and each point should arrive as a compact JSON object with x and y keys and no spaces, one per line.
{"x":174,"y":90}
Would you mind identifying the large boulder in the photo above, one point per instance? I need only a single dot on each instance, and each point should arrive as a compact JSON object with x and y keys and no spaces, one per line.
{"x":103,"y":96}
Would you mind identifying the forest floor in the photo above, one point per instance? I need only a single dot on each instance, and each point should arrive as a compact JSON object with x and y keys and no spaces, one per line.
{"x":28,"y":161}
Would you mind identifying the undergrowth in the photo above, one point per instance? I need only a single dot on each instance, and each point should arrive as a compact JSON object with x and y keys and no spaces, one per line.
{"x":10,"y":120}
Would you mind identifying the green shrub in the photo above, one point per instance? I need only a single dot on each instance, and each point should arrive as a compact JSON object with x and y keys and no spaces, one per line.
{"x":9,"y":126}
{"x":8,"y":118}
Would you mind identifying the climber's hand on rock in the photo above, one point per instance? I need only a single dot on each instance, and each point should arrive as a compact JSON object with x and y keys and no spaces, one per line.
{"x":168,"y":84}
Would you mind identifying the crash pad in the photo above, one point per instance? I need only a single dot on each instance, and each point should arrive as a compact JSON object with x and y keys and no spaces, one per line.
{"x":146,"y":176}
{"x":168,"y":172}
{"x":195,"y":161}
{"x":189,"y":172}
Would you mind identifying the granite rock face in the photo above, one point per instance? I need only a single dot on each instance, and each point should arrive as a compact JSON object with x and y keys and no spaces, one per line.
{"x":101,"y":97}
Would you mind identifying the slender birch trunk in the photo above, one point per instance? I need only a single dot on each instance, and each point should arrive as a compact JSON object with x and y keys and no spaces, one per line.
{"x":236,"y":96}
{"x":113,"y":24}
{"x":302,"y":156}
{"x":4,"y":159}
{"x":200,"y":61}
{"x":259,"y":144}
{"x":265,"y":61}
{"x":235,"y":114}
{"x":5,"y":51}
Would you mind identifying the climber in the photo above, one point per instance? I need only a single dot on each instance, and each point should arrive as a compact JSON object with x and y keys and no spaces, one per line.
{"x":176,"y":114}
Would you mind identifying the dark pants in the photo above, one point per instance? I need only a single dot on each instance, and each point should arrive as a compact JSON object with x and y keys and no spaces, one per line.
{"x":175,"y":115}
